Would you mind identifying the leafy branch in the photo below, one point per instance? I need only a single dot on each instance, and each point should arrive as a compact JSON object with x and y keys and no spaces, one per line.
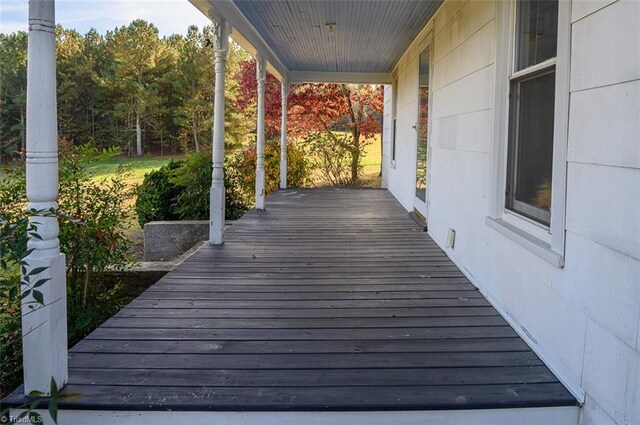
{"x":15,"y":231}
{"x":30,"y":410}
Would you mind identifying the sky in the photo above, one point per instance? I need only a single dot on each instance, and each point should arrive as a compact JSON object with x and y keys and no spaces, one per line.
{"x":169,"y":16}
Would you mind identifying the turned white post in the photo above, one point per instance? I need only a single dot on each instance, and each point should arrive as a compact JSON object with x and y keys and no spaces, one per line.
{"x":220,"y":47}
{"x":283,"y":135}
{"x":44,"y":326}
{"x":261,"y":75}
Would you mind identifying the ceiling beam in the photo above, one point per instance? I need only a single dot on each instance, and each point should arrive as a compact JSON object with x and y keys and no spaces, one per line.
{"x":340,"y":77}
{"x":243,"y":32}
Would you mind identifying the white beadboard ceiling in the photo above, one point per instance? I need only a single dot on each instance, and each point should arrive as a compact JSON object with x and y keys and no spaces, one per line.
{"x":369,"y":35}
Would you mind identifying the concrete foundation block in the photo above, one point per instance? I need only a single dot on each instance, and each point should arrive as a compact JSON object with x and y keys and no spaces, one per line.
{"x":168,"y":240}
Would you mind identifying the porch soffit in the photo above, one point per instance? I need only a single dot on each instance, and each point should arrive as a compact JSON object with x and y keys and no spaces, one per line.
{"x":353,"y":40}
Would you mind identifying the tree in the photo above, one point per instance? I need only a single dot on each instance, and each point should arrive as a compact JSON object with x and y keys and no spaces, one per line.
{"x":317,"y":108}
{"x":133,"y":89}
{"x":135,"y":52}
{"x":13,"y":88}
{"x":324,"y":107}
{"x":248,"y":95}
{"x":193,"y":82}
{"x":194,"y":85}
{"x":78,"y":87}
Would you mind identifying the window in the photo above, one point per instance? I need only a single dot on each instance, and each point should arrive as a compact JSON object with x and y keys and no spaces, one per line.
{"x":423,"y":124}
{"x":531,"y":123}
{"x":532,"y":110}
{"x":394,"y":91}
{"x":393,"y":140}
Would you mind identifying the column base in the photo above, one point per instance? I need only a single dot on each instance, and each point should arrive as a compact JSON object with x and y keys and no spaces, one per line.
{"x":216,"y":222}
{"x":44,"y":328}
{"x":283,"y":174}
{"x":260,"y":189}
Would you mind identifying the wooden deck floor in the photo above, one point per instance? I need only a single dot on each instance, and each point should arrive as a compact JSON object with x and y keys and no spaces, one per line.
{"x":329,"y":300}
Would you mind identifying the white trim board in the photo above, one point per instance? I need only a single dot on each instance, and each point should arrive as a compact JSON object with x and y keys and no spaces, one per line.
{"x":339,"y":77}
{"x":524,"y":416}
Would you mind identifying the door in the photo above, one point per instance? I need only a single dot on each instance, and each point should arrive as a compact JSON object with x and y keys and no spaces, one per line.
{"x":422,"y":128}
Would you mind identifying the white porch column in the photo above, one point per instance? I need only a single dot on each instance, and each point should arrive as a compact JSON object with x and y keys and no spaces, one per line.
{"x":220,"y":47}
{"x":261,"y":75}
{"x":283,"y":135}
{"x":44,"y":326}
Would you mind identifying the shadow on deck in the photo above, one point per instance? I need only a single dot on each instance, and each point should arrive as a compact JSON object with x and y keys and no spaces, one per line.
{"x":332,"y":299}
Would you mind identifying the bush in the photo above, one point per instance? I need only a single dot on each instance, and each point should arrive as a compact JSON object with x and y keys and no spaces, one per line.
{"x":193,"y":180}
{"x":93,"y":213}
{"x":333,"y":153}
{"x":13,"y":249}
{"x":155,"y":197}
{"x":92,"y":221}
{"x":236,"y":200}
{"x":10,"y":346}
{"x":10,"y":330}
{"x":244,"y":164}
{"x":180,"y":190}
{"x":185,"y":187}
{"x":97,"y":240}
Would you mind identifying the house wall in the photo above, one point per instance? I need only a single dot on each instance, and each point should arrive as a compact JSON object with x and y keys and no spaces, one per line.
{"x":401,"y":176}
{"x":584,"y":318}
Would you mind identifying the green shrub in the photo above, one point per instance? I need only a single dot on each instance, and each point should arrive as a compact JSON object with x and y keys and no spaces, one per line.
{"x":333,"y":153}
{"x":193,"y":181}
{"x":244,"y":164}
{"x":180,"y":191}
{"x":155,"y":197}
{"x":10,"y":346}
{"x":237,"y":201}
{"x":185,"y":188}
{"x":101,"y":211}
{"x":92,"y":221}
{"x":13,"y":249}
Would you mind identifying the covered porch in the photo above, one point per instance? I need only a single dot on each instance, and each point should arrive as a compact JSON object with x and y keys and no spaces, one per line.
{"x":330,"y":300}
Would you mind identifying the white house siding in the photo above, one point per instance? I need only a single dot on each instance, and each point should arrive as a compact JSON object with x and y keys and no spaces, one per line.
{"x":401,"y":176}
{"x":584,"y":319}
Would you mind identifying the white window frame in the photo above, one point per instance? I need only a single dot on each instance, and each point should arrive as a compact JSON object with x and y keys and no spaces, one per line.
{"x":548,"y":242}
{"x":426,"y":41}
{"x":394,"y":124}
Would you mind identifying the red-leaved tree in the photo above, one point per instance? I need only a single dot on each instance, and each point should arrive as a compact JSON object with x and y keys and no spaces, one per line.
{"x":317,"y":107}
{"x":248,"y":95}
{"x":323,"y":107}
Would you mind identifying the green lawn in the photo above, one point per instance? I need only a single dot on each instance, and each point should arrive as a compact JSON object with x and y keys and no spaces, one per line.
{"x":143,"y":165}
{"x":139,"y":167}
{"x":371,"y":163}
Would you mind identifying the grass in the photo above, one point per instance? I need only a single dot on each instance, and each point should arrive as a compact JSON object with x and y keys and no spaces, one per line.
{"x":371,"y":160}
{"x":371,"y":163}
{"x":139,"y":166}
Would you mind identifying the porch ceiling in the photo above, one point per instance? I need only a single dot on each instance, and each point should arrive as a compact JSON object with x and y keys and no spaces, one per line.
{"x":369,"y":35}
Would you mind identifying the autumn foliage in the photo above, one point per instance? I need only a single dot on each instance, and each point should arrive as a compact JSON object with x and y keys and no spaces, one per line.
{"x":317,"y":108}
{"x":136,"y":91}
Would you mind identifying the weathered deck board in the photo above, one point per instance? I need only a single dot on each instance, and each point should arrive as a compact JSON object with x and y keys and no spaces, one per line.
{"x":330,"y":300}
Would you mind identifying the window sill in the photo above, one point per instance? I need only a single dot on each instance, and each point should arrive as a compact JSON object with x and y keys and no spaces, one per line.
{"x":537,"y":246}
